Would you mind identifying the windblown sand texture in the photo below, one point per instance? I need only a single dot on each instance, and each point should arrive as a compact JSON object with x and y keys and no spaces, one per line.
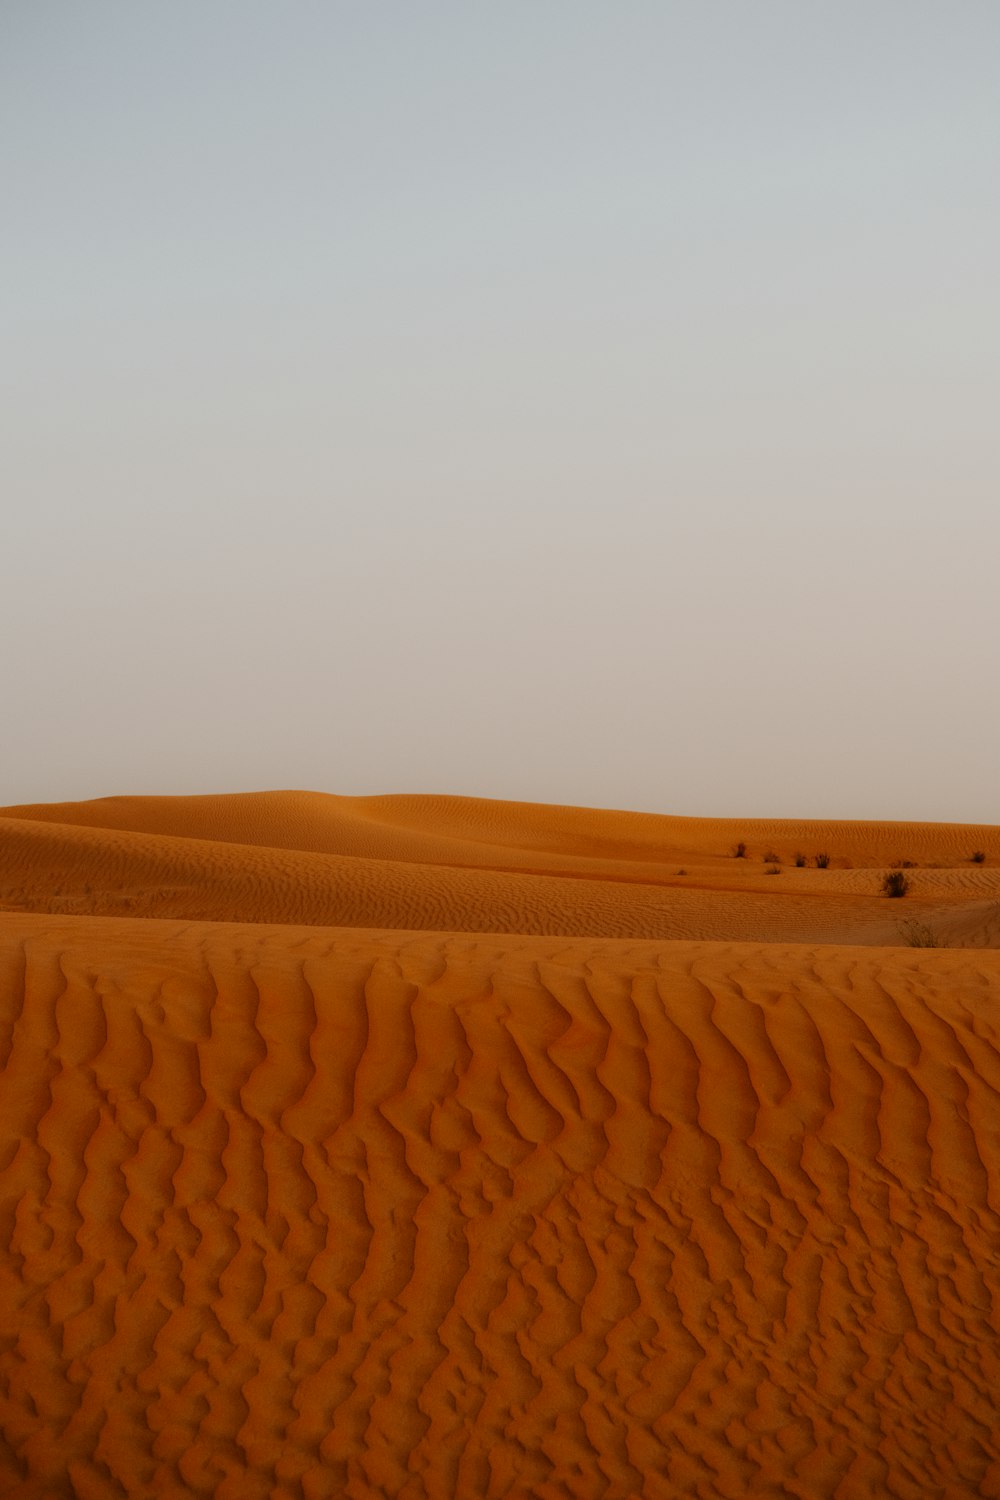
{"x":464,"y":865}
{"x":429,"y":1147}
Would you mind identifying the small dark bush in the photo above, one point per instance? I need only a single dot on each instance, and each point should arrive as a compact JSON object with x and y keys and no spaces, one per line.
{"x":895,"y":883}
{"x":978,"y":858}
{"x":740,"y":851}
{"x":682,"y":872}
{"x":800,"y":861}
{"x":771,"y":859}
{"x":773,"y":870}
{"x":822,"y":860}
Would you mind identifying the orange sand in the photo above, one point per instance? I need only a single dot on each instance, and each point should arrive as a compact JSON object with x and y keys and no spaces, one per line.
{"x":535,"y":1195}
{"x":463,"y":865}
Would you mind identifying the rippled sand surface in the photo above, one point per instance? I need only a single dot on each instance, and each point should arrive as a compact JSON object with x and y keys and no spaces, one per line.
{"x":501,"y":1177}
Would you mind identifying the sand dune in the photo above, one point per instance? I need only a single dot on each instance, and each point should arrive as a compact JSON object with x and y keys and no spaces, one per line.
{"x":509,"y":835}
{"x":476,"y":866}
{"x":303,"y":1212}
{"x":427,"y":1147}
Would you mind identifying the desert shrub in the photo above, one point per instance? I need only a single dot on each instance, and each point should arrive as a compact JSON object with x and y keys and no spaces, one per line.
{"x":771,"y":858}
{"x":895,"y":883}
{"x":800,"y":861}
{"x":822,"y":860}
{"x":740,"y":851}
{"x":978,"y":858}
{"x":682,"y":872}
{"x":919,"y":935}
{"x":773,"y":870}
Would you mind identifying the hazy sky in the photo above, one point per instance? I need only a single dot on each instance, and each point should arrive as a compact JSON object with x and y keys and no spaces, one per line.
{"x":589,"y":403}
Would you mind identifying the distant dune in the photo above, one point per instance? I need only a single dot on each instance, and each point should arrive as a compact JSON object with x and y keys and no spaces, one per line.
{"x":411,"y":1147}
{"x":464,"y":865}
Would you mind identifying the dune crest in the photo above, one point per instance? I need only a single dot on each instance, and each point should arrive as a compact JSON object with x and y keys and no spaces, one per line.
{"x":461,"y":864}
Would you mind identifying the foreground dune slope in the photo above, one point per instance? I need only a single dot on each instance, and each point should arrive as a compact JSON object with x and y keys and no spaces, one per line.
{"x":301,"y":1212}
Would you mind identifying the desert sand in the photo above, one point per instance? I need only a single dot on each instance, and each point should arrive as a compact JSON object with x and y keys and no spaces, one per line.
{"x":426,"y":1146}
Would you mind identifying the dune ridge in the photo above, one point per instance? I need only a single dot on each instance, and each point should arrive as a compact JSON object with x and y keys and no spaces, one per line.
{"x":442,"y":829}
{"x":465,"y":865}
{"x":295,"y":1211}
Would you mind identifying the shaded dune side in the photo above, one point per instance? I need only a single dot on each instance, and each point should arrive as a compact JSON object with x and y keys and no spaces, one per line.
{"x":90,"y":871}
{"x":306,"y":1213}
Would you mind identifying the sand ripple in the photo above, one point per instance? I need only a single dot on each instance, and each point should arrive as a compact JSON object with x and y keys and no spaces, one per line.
{"x":295,"y":1212}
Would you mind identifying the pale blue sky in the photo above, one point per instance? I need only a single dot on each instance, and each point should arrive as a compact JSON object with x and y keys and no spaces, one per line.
{"x":589,"y":403}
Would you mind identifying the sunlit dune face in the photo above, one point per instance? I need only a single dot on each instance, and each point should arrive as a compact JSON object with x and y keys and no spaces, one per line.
{"x":458,"y":864}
